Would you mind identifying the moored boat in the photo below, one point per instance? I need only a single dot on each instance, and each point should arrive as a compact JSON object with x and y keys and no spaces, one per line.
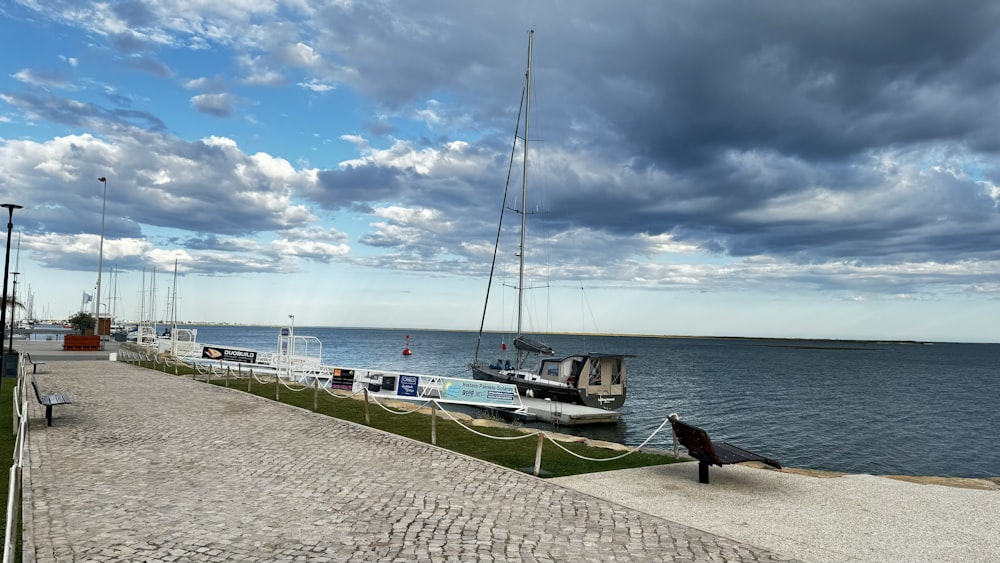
{"x":591,"y":379}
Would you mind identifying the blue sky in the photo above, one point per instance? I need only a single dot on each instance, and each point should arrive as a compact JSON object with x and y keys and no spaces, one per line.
{"x":782,"y":169}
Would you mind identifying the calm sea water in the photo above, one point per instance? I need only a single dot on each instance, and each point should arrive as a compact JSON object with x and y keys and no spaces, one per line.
{"x":879,"y":408}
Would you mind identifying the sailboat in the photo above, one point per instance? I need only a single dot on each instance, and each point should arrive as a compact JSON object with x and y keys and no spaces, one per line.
{"x":591,"y":379}
{"x":176,"y":341}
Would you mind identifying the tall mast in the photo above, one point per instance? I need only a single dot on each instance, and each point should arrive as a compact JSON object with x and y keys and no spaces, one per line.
{"x":114,"y":293}
{"x":173,"y":319}
{"x":524,"y":193}
{"x":152,"y":300}
{"x":142,"y":308}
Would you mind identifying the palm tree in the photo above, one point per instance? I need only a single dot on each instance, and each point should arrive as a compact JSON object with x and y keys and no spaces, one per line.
{"x":14,"y":304}
{"x":11,"y":304}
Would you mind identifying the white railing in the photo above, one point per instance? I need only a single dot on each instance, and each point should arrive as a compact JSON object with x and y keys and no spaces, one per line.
{"x":20,"y":414}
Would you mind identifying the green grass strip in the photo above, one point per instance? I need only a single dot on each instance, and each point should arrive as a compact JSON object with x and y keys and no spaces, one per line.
{"x":515,"y":454}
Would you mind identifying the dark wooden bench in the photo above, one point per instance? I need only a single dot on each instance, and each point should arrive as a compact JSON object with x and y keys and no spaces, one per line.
{"x":50,"y":400}
{"x":34,"y":364}
{"x":701,"y":447}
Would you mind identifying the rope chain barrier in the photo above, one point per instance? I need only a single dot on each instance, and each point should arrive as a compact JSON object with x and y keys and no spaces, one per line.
{"x":296,"y":386}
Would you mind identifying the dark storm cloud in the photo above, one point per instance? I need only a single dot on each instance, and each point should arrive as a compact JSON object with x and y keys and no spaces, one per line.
{"x":78,"y":114}
{"x":816,"y":80}
{"x":705,"y":118}
{"x":135,"y":14}
{"x":219,"y":105}
{"x":801,"y":131}
{"x":150,"y":65}
{"x":211,"y":242}
{"x":129,"y":43}
{"x":357,"y":187}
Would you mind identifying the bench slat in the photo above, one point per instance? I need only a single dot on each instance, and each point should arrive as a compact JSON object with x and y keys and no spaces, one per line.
{"x":729,"y":453}
{"x":55,"y":399}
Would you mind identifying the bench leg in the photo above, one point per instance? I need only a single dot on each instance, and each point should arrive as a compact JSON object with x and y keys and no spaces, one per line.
{"x":702,"y":472}
{"x":48,"y":415}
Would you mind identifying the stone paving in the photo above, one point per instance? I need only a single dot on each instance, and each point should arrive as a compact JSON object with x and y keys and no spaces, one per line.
{"x":152,"y":467}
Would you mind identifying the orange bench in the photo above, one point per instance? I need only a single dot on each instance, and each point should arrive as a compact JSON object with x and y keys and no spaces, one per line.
{"x":89,"y":342}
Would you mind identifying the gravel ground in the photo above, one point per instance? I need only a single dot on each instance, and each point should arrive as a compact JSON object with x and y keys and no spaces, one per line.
{"x":838,"y":518}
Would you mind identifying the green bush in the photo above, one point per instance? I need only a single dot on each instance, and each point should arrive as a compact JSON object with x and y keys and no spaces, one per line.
{"x":82,"y":322}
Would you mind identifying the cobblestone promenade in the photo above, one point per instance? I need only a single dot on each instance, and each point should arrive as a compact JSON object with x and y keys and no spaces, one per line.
{"x":152,"y":467}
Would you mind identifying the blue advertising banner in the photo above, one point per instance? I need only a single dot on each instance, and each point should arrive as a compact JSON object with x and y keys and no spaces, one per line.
{"x":443,"y":389}
{"x":480,"y":392}
{"x":408,"y":385}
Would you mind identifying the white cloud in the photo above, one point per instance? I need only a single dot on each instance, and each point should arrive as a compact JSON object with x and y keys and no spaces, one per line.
{"x":43,"y":79}
{"x":300,"y":54}
{"x":316,"y":85}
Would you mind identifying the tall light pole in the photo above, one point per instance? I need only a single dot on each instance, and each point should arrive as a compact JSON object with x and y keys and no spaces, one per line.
{"x":100,"y":256}
{"x":6,"y":268}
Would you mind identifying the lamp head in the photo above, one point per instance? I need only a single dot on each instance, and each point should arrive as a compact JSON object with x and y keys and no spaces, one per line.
{"x":12,"y":206}
{"x":102,"y":179}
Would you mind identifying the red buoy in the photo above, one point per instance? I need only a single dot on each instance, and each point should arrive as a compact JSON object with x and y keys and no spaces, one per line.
{"x":406,"y":351}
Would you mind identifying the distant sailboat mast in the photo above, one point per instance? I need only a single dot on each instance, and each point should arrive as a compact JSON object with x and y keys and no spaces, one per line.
{"x":521,"y":356}
{"x":142,"y":309}
{"x":114,"y":294}
{"x":173,"y":319}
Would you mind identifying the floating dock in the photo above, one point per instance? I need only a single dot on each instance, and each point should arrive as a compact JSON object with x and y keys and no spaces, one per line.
{"x":566,"y":414}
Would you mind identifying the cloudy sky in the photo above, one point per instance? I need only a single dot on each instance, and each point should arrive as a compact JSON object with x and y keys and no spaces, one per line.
{"x":772,"y":168}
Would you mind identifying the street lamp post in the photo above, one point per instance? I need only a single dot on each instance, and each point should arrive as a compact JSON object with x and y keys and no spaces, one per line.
{"x":6,"y":268}
{"x":13,"y":312}
{"x":100,"y":256}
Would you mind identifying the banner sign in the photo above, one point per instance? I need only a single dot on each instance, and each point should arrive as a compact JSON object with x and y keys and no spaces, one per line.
{"x":342,"y":379}
{"x":479,"y":392}
{"x":454,"y":390}
{"x":229,"y":354}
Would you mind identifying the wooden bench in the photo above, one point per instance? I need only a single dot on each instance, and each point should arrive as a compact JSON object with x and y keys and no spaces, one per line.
{"x":34,"y":364}
{"x":701,"y":447}
{"x":50,"y":400}
{"x":91,"y":342}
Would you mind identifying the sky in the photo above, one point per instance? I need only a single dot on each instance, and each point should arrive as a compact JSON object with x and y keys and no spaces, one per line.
{"x":820,"y":169}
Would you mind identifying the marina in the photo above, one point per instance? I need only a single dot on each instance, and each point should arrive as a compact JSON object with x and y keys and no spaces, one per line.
{"x":299,"y":358}
{"x":658,"y":512}
{"x":808,"y":400}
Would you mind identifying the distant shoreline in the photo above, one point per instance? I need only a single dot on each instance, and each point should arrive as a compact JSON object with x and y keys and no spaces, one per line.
{"x":604,"y":334}
{"x":788,"y":339}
